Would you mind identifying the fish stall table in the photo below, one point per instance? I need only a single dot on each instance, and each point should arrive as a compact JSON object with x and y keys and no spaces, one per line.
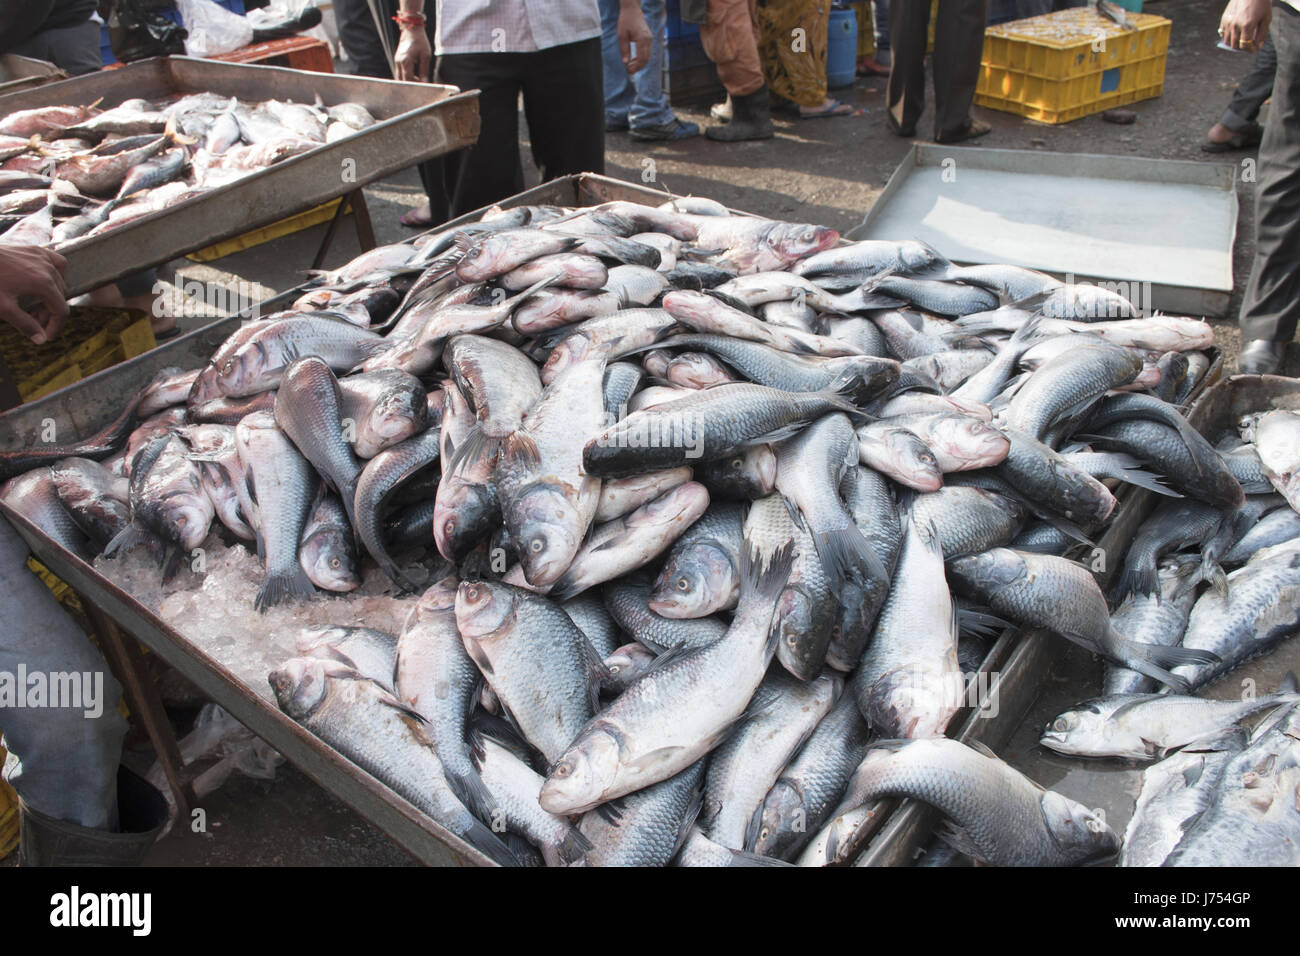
{"x":1013,"y":671}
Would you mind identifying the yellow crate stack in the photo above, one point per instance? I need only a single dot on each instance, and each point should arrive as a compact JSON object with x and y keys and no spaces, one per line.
{"x":1061,"y":66}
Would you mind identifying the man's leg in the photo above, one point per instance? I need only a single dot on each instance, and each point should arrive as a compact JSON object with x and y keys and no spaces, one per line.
{"x":1271,"y":307}
{"x":651,"y":107}
{"x":74,"y":49}
{"x":564,"y":108}
{"x":619,"y":92}
{"x":360,"y":37}
{"x":909,"y":21}
{"x":488,"y":171}
{"x":62,"y":762}
{"x":958,"y":43}
{"x":1255,"y":87}
{"x":729,"y":41}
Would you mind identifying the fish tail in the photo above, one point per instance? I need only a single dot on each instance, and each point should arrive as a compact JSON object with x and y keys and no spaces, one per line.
{"x":279,"y":585}
{"x":124,"y":540}
{"x":764,"y":583}
{"x":847,"y":555}
{"x":573,"y":847}
{"x":483,"y":838}
{"x":840,"y":393}
{"x":1131,"y":471}
{"x":1156,"y":661}
{"x":470,"y":789}
{"x":520,"y":447}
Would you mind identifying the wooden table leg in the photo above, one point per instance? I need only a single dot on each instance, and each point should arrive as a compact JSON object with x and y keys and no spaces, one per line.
{"x":365,"y":230}
{"x":330,"y":230}
{"x":127,"y":664}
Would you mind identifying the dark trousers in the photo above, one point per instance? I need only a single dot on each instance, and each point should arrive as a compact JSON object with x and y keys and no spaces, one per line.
{"x":1271,"y":307}
{"x":1255,"y":87}
{"x":958,"y":41}
{"x":361,"y":40}
{"x":563,"y":92}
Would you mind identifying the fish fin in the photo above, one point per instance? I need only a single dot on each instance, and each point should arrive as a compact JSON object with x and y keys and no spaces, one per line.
{"x":764,"y":583}
{"x":469,"y":788}
{"x":472,"y":448}
{"x":745,"y":858}
{"x":1138,"y":579}
{"x":980,"y":623}
{"x":1154,"y":661}
{"x":737,"y":304}
{"x":283,"y":584}
{"x":1067,"y":527}
{"x":125,"y":540}
{"x":533,"y":289}
{"x":847,"y":555}
{"x":656,"y":758}
{"x":573,"y":846}
{"x":1213,"y":572}
{"x":173,"y":565}
{"x":480,"y":836}
{"x":519,"y":446}
{"x":688,"y":821}
{"x":612,"y":811}
{"x":959,"y":839}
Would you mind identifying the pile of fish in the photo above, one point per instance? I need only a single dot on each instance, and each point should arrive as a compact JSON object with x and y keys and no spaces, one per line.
{"x":708,"y":521}
{"x":73,"y":171}
{"x":1224,"y":581}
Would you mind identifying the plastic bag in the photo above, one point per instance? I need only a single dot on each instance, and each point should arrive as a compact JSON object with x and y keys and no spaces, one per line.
{"x":137,"y":30}
{"x":213,"y":29}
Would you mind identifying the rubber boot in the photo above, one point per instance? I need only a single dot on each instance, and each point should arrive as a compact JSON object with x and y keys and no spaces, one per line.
{"x":751,"y":118}
{"x":721,"y":112}
{"x":142,"y":811}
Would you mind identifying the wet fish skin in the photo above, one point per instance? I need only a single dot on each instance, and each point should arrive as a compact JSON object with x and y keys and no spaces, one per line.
{"x":466,"y":508}
{"x":701,"y":575}
{"x":782,"y":715}
{"x":745,"y":476}
{"x":378,"y":480}
{"x":625,"y":665}
{"x":1149,"y":726}
{"x":328,"y":553}
{"x":497,"y":253}
{"x":1173,"y":526}
{"x":649,"y":732}
{"x":373,"y":729}
{"x":1006,"y":819}
{"x":1166,"y":453}
{"x":647,"y":827}
{"x":589,"y":613}
{"x":370,"y":652}
{"x":1068,"y":382}
{"x":969,"y":520}
{"x":33,"y":495}
{"x":384,"y":408}
{"x":629,"y":605}
{"x":94,"y":498}
{"x":308,"y":408}
{"x":1049,"y":481}
{"x":699,"y":850}
{"x":537,"y":661}
{"x":870,"y":501}
{"x":621,"y":496}
{"x":262,"y":358}
{"x":1158,"y":618}
{"x":812,"y":783}
{"x":1273,"y":528}
{"x":901,"y":454}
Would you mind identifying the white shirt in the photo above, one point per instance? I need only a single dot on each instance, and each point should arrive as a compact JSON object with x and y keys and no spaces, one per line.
{"x":513,"y":26}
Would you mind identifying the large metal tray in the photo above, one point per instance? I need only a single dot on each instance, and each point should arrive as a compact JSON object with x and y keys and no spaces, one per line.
{"x":1163,"y":228}
{"x":417,"y":122}
{"x":1016,"y":665}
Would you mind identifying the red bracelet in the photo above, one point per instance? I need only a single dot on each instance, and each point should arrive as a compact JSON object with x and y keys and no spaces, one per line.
{"x":409,"y":19}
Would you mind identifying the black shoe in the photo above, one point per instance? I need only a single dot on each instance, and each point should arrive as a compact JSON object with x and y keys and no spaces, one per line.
{"x":1261,"y":357}
{"x":616,"y":126}
{"x":677,"y":129}
{"x":721,"y":112}
{"x":751,"y":118}
{"x":906,"y":133}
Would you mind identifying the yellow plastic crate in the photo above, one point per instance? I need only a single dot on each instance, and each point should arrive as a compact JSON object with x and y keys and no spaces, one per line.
{"x":282,"y":227}
{"x":1061,"y":66}
{"x":867,"y":33}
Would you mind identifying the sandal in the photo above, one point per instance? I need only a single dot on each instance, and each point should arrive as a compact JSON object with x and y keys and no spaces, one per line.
{"x":417,"y":218}
{"x":1245,"y":140}
{"x":835,"y":108}
{"x":972,"y":130}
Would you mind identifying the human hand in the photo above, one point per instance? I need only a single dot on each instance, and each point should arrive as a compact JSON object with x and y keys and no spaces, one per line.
{"x":411,"y":61}
{"x":33,"y":271}
{"x":1244,"y":23}
{"x":632,"y":29}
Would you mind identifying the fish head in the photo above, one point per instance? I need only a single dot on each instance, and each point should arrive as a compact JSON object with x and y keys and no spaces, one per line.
{"x":312,"y":639}
{"x":696,"y":581}
{"x":695,"y":370}
{"x":1085,"y":731}
{"x":772,"y":831}
{"x":1081,"y":834}
{"x":627,"y":663}
{"x":916,"y":256}
{"x":580,"y":779}
{"x":971,"y":442}
{"x":300,"y":686}
{"x":482,"y":258}
{"x":572,"y":350}
{"x":913,"y":702}
{"x":792,"y":242}
{"x":989,"y":572}
{"x":797,"y":616}
{"x":656,"y":362}
{"x":238,"y":374}
{"x":547,"y":530}
{"x":913,"y":460}
{"x":463,"y":515}
{"x":745,"y":476}
{"x":484,"y":609}
{"x":173,"y":502}
{"x":439,"y":598}
{"x":398,"y":414}
{"x":330,"y":560}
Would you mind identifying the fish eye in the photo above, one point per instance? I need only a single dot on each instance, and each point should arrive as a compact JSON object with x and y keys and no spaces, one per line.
{"x":737,"y":463}
{"x":562,"y":770}
{"x":335,"y":563}
{"x":683,"y":584}
{"x":537,"y":545}
{"x":793,"y":640}
{"x":764,"y":833}
{"x":449,"y":525}
{"x":1094,"y":826}
{"x":614,"y":668}
{"x":471,"y":592}
{"x":1060,"y":725}
{"x":927,"y":459}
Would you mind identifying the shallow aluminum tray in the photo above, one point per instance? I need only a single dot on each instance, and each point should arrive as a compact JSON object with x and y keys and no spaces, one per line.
{"x":23,"y":72}
{"x":1117,"y":219}
{"x":417,"y":122}
{"x":1016,"y":665}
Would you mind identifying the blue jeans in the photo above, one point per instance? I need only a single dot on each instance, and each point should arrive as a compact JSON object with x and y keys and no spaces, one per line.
{"x":639,"y":98}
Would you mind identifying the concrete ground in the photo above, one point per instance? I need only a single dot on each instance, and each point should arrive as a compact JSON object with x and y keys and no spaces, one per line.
{"x":820,"y":171}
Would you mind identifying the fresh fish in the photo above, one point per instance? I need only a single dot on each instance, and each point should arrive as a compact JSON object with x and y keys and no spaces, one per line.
{"x":1277,"y":438}
{"x":621,"y":496}
{"x":997,"y":815}
{"x":1204,"y":478}
{"x":1068,"y":383}
{"x":540,"y":665}
{"x":677,"y":711}
{"x":646,"y":827}
{"x":871,"y":503}
{"x":95,"y":498}
{"x":383,"y":408}
{"x":308,"y":408}
{"x":1173,"y":526}
{"x":369,"y":726}
{"x":1274,"y":528}
{"x":1149,"y":726}
{"x":1157,"y":618}
{"x":781,"y":716}
{"x":588,"y":612}
{"x":871,"y":257}
{"x":370,"y":652}
{"x":499,"y":382}
{"x":629,"y":606}
{"x":33,"y":496}
{"x":378,"y":480}
{"x":466,"y":508}
{"x":969,"y":520}
{"x":259,"y":363}
{"x":900,"y":454}
{"x":328,"y":552}
{"x":625,"y":665}
{"x":745,"y":476}
{"x":702,"y":573}
{"x":1057,"y":595}
{"x":493,"y":254}
{"x":699,"y":850}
